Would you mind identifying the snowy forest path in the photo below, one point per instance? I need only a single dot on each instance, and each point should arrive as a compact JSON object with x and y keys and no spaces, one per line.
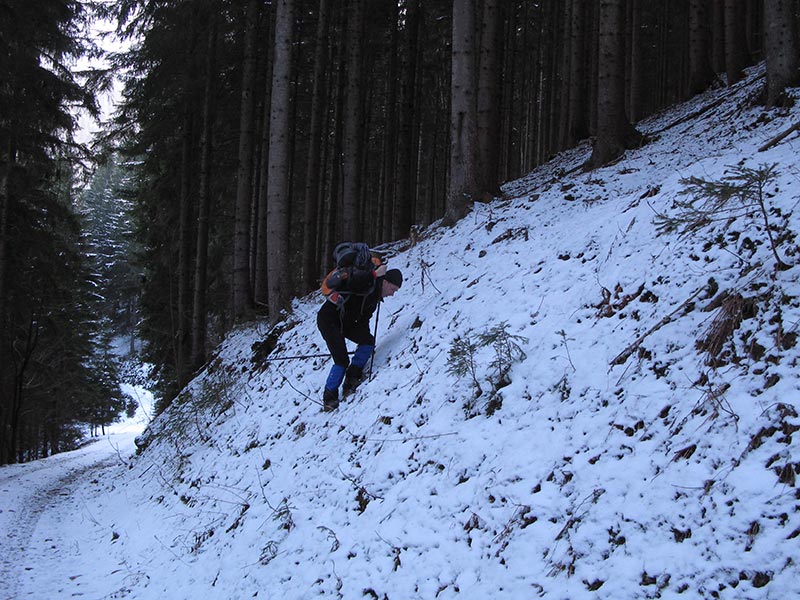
{"x":40,"y":502}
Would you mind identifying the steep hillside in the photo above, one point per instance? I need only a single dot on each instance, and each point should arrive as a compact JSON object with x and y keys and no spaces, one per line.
{"x":640,"y":445}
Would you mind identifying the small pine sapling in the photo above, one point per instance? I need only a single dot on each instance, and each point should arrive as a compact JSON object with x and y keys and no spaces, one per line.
{"x":734,"y":195}
{"x":507,"y":351}
{"x":461,"y":360}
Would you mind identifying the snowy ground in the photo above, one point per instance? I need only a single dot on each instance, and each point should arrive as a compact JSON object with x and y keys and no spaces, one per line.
{"x":595,"y":473}
{"x":48,"y":523}
{"x":48,"y":514}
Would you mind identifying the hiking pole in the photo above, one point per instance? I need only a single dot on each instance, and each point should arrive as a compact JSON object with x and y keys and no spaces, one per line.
{"x":299,"y":356}
{"x":374,"y":340}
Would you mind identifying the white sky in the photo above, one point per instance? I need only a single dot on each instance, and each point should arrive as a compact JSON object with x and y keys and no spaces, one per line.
{"x":87,"y":125}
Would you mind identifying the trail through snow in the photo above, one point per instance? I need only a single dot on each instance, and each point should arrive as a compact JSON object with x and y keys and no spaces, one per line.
{"x":52,"y":512}
{"x":44,"y":504}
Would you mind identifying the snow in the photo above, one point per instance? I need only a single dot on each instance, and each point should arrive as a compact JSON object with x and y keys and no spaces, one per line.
{"x":49,"y":512}
{"x":591,"y":480}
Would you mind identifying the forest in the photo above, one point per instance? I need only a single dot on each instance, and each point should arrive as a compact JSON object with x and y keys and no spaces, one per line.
{"x":251,"y":136}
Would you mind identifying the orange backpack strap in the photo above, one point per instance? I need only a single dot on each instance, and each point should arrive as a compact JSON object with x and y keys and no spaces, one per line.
{"x":333,"y":281}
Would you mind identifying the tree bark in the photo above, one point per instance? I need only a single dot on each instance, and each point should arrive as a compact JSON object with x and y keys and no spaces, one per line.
{"x":462,"y":190}
{"x":185,"y":239}
{"x":780,"y":41}
{"x":242,"y":293}
{"x":718,"y":36}
{"x":353,"y":125}
{"x":391,"y":133}
{"x":615,"y":134}
{"x":204,"y":205}
{"x":314,"y":164}
{"x":594,"y":49}
{"x":489,"y":88}
{"x":407,"y":173}
{"x":260,"y":277}
{"x":576,"y":104}
{"x":735,"y":41}
{"x":700,"y":72}
{"x":330,"y":196}
{"x":24,"y":353}
{"x":280,"y":162}
{"x":185,"y":225}
{"x":6,"y":155}
{"x":637,"y":74}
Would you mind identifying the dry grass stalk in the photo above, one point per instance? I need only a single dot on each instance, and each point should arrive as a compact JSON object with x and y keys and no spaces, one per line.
{"x":728,"y":318}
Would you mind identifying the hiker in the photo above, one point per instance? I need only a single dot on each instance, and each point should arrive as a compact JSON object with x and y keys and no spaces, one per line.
{"x":352,"y":296}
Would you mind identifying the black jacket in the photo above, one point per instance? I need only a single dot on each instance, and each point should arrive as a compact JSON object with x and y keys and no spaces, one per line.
{"x":351,"y":308}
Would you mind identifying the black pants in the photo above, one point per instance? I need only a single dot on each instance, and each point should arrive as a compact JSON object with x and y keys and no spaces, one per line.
{"x":334,"y":331}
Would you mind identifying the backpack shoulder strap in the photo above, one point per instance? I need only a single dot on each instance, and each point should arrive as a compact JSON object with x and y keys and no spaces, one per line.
{"x":334,"y":280}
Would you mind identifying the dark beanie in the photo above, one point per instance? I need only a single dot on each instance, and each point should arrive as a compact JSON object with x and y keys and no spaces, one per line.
{"x":394,"y":276}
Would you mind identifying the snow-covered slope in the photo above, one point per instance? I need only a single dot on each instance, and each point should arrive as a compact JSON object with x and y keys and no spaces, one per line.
{"x":593,"y":473}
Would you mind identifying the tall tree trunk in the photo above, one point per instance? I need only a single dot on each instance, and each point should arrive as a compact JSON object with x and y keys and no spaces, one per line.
{"x":402,"y":215}
{"x":780,"y":41}
{"x":24,"y":353}
{"x":5,"y":406}
{"x":255,"y":196}
{"x":260,"y":277}
{"x":280,"y":162}
{"x":700,"y":72}
{"x":315,"y":141}
{"x":614,"y":132}
{"x":6,"y":155}
{"x":577,"y":105}
{"x":185,"y":239}
{"x":488,"y":109}
{"x":735,"y":41}
{"x":463,"y":115}
{"x":532,"y":147}
{"x":204,"y":205}
{"x":594,"y":68}
{"x":353,"y":124}
{"x":187,"y":213}
{"x":391,"y":134}
{"x":509,"y":95}
{"x":242,"y":293}
{"x":564,"y":74}
{"x":330,"y":196}
{"x":556,"y":90}
{"x":718,"y":36}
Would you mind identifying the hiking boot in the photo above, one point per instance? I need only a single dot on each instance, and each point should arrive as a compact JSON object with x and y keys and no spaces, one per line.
{"x":351,"y":379}
{"x":330,"y":400}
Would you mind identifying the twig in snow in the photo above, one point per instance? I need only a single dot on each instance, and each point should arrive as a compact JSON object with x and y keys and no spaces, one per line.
{"x":563,"y":335}
{"x":625,"y":354}
{"x":306,"y":396}
{"x":425,"y":267}
{"x":411,"y":438}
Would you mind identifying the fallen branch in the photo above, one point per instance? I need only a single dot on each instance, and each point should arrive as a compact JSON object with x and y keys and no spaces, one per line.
{"x":780,"y":137}
{"x":696,"y":113}
{"x":703,"y":109}
{"x":625,"y":354}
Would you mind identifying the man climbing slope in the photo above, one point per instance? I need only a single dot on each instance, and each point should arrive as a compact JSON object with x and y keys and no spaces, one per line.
{"x":353,"y":293}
